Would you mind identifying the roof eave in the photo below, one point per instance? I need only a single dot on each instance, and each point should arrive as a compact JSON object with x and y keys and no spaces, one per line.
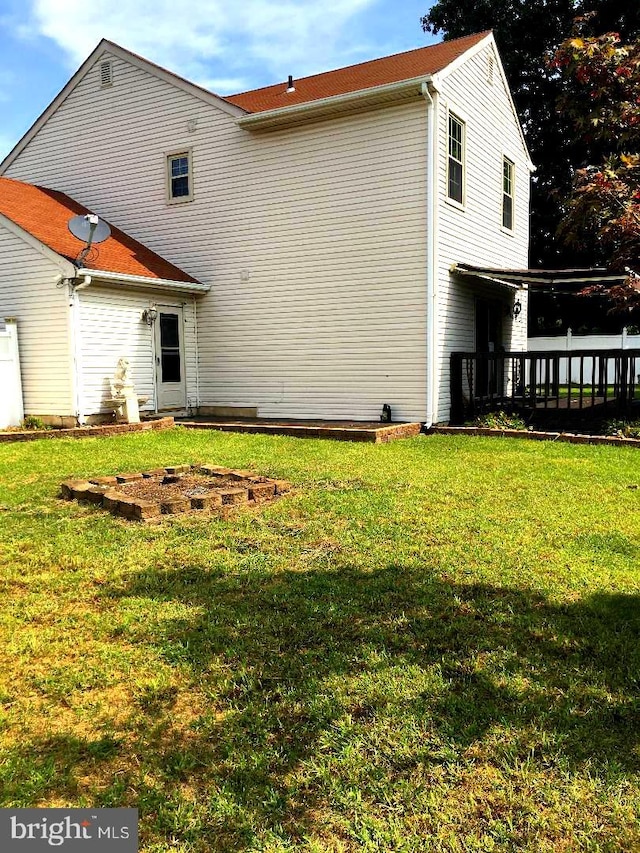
{"x":471,"y":51}
{"x":66,"y":267}
{"x":376,"y":96}
{"x":146,"y":282}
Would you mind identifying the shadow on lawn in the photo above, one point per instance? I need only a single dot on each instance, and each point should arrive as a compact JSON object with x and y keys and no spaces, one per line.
{"x":51,"y":766}
{"x":287,"y":659}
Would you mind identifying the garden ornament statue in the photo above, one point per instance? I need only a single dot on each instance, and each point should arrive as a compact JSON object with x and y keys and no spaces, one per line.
{"x":124,"y":401}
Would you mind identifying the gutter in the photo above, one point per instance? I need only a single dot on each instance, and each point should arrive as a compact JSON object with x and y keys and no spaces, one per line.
{"x":145,"y":282}
{"x":430,"y":94}
{"x":335,"y":103}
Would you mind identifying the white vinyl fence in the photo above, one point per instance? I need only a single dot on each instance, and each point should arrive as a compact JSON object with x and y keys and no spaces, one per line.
{"x":571,"y":342}
{"x":11,"y":410}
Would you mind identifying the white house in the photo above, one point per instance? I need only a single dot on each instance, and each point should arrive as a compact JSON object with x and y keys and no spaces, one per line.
{"x":76,"y":323}
{"x":318,"y":222}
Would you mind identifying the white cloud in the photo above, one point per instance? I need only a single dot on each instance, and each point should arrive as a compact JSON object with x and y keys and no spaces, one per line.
{"x":251,"y":42}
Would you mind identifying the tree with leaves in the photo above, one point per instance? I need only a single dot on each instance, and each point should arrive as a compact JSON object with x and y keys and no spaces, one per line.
{"x":601,"y":99}
{"x":527,"y":32}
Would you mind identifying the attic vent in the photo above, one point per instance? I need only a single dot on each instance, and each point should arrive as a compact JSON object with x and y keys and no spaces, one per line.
{"x":106,"y":74}
{"x":490,"y":64}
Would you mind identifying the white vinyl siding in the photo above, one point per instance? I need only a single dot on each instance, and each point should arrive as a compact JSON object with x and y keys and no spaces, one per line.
{"x":111,"y":327}
{"x":313,"y":239}
{"x":475,"y":235}
{"x":28,"y":292}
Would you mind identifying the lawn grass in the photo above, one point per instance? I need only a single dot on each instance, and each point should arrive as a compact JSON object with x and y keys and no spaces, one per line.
{"x":431,"y":645}
{"x":589,"y":391}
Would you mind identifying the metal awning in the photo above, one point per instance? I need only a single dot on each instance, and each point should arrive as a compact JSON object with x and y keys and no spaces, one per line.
{"x":563,"y":281}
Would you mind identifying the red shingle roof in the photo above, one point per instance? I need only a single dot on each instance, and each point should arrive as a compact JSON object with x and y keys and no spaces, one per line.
{"x":354,"y":78}
{"x":45,"y":213}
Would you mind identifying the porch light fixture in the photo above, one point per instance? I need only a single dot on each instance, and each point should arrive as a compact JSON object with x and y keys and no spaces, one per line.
{"x":149,"y":315}
{"x":517,"y":308}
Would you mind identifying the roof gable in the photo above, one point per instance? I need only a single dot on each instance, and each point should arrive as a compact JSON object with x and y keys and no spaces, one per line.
{"x":108,"y":47}
{"x":44,"y":214}
{"x":422,"y":61}
{"x":507,"y":90}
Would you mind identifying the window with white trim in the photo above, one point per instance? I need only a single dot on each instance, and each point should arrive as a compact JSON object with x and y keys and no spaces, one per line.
{"x":455,"y":160}
{"x":179,"y":177}
{"x":508,"y":177}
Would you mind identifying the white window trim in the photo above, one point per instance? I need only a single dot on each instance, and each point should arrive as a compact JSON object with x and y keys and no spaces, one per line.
{"x":510,"y":231}
{"x":459,"y":116}
{"x":178,"y":152}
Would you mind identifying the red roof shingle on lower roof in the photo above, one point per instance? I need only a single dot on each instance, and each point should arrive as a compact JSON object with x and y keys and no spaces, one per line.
{"x":44,"y":214}
{"x":354,"y":78}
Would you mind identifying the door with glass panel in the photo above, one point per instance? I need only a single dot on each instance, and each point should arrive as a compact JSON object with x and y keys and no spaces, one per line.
{"x":488,"y":340}
{"x":171,"y":388}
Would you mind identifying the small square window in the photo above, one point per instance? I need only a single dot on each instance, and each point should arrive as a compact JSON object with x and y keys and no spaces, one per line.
{"x":508,"y":176}
{"x":179,"y":177}
{"x":455,"y":162}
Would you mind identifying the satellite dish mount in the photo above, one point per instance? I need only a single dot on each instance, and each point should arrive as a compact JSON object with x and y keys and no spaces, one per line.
{"x":90,"y":229}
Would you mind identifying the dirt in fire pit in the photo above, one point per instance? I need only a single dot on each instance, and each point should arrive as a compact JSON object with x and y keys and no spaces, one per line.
{"x":186,"y":486}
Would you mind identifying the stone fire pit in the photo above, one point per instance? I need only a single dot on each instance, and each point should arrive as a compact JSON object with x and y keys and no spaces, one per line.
{"x":148,"y":495}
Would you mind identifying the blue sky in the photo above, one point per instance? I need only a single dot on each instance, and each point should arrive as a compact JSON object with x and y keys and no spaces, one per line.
{"x":226,"y":45}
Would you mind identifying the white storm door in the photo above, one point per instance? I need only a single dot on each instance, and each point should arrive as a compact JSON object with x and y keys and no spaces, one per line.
{"x":171,"y":389}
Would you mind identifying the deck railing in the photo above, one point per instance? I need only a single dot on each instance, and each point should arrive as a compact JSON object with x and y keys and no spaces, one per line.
{"x":585,"y":380}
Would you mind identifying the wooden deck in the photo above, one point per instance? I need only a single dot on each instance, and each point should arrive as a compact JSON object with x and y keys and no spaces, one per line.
{"x":592,"y":383}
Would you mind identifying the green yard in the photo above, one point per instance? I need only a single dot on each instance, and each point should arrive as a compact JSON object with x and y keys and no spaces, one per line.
{"x":432,"y":645}
{"x":589,"y":391}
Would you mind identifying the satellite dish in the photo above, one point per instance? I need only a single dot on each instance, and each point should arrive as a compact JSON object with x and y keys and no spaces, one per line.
{"x":89,"y":228}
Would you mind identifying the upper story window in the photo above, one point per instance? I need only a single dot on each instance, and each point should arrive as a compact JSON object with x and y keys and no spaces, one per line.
{"x":508,"y":175}
{"x":179,"y":177}
{"x":455,"y":160}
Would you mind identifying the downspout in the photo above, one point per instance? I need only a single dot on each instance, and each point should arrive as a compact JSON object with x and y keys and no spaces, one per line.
{"x":195,"y":323}
{"x":74,"y":285}
{"x":430,"y":94}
